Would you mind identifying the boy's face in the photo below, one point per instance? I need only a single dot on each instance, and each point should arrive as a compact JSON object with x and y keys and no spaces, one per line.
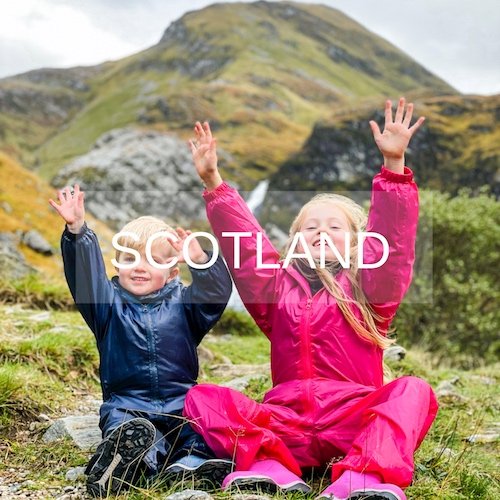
{"x":144,"y":278}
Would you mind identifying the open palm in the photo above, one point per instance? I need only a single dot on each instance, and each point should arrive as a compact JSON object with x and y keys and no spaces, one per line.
{"x":71,"y":207}
{"x":397,"y":133}
{"x":204,"y":150}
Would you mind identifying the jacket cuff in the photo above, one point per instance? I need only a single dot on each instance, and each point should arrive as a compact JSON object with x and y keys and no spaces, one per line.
{"x":215,"y":193}
{"x":407,"y":176}
{"x":72,"y":236}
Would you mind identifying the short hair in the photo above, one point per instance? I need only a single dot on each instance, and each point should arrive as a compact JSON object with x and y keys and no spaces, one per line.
{"x":145,"y":227}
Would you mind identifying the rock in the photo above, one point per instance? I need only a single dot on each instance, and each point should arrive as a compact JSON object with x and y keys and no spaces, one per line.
{"x":482,"y":379}
{"x":445,"y":452}
{"x":43,"y":316}
{"x":34,"y":240}
{"x":83,"y":430}
{"x":205,"y":355}
{"x":13,"y":265}
{"x":489,"y":435}
{"x":447,"y":393}
{"x":130,"y":173}
{"x":6,"y":207}
{"x":236,"y":371}
{"x":75,"y":473}
{"x":394,"y":353}
{"x":241,"y":383}
{"x":189,"y":495}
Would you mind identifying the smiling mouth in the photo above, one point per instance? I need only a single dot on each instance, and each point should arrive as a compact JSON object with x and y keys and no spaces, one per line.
{"x":140,"y":280}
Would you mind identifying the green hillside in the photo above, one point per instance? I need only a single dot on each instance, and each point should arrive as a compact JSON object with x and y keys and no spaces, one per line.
{"x":263,"y":73}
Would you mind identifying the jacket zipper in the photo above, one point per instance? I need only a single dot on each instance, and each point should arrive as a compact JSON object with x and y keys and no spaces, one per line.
{"x":153,"y":365}
{"x":307,"y":357}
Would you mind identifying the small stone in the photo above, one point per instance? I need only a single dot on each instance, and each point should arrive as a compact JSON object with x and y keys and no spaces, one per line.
{"x":37,"y":242}
{"x":489,"y":436}
{"x":83,"y":430}
{"x":394,"y":353}
{"x":43,"y":316}
{"x":75,"y":473}
{"x":189,"y":495}
{"x":241,"y":383}
{"x":483,"y":380}
{"x":445,"y":452}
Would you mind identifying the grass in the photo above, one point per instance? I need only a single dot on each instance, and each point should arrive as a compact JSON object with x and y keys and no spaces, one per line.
{"x":48,"y":359}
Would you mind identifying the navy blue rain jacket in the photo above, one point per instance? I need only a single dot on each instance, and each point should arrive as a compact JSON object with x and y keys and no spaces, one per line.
{"x":147,"y":344}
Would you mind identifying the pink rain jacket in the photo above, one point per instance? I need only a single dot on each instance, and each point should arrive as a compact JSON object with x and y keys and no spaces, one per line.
{"x":310,"y":338}
{"x":328,"y":396}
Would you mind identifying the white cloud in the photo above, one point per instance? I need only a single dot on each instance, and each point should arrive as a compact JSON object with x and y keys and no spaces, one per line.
{"x":36,"y":31}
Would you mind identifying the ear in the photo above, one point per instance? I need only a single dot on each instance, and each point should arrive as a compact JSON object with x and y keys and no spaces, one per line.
{"x":174,"y":272}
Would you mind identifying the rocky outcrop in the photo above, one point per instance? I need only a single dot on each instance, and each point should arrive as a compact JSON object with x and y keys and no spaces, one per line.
{"x":130,"y":173}
{"x":34,"y":240}
{"x":456,"y":148}
{"x":12,"y":262}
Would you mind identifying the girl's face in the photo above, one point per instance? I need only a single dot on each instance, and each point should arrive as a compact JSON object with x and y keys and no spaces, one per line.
{"x":328,"y":218}
{"x":144,"y":278}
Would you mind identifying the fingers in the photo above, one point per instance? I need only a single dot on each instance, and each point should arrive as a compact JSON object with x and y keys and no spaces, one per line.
{"x":208,"y":132}
{"x":400,"y":110}
{"x":408,"y":115}
{"x":375,"y":129}
{"x":388,"y":112}
{"x":54,"y":205}
{"x":60,"y":196}
{"x":200,"y":132}
{"x":417,"y":125}
{"x":81,"y":198}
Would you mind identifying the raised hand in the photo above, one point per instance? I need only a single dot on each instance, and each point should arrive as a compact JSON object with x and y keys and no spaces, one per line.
{"x":204,"y":151}
{"x":71,"y":207}
{"x":394,"y":140}
{"x":196,"y":253}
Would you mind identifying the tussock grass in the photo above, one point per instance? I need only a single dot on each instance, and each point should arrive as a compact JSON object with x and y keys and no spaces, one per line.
{"x":47,"y":359}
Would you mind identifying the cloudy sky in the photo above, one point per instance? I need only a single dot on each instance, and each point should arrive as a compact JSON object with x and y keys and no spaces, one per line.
{"x":456,"y":39}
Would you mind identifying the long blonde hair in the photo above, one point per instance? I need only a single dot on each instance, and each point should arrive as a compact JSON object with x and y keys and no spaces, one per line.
{"x":357,"y":219}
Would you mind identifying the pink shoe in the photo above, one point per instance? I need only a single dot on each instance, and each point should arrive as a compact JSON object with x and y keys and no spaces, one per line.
{"x":358,"y":486}
{"x":268,"y":475}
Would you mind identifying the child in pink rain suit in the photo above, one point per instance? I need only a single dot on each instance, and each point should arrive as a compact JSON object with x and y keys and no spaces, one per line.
{"x":327,"y":329}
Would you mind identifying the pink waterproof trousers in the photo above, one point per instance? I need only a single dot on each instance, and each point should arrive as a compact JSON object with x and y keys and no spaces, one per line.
{"x":376,"y":432}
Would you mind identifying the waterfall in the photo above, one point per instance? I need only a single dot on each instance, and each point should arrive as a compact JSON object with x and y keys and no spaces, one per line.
{"x":254,"y":201}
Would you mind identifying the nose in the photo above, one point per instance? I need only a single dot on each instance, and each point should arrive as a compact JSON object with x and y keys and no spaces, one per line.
{"x":141,"y":266}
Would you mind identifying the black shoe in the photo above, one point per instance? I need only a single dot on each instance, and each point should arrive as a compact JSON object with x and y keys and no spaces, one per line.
{"x":195,"y":469}
{"x":118,"y":459}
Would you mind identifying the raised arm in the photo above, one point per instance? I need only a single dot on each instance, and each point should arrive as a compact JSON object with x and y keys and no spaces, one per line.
{"x":207,"y":296}
{"x":83,"y":263}
{"x":228,"y":213}
{"x":393,"y":214}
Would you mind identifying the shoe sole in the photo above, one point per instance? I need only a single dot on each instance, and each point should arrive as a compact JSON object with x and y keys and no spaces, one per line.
{"x":374,"y":495}
{"x":120,"y":457}
{"x":211,"y":471}
{"x":266,"y":485}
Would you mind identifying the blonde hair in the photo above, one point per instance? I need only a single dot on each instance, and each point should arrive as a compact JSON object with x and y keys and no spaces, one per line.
{"x":357,"y":219}
{"x":144,"y":227}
